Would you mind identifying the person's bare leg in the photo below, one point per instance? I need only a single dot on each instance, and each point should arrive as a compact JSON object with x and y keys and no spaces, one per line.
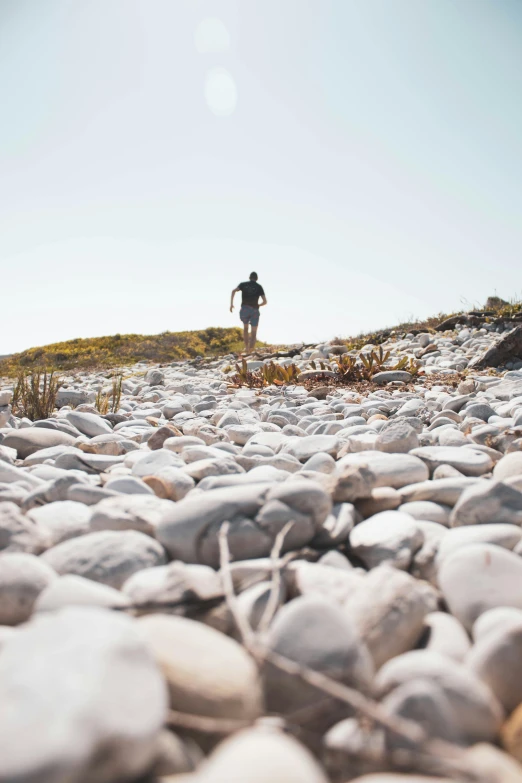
{"x":246,"y":337}
{"x":253,"y":336}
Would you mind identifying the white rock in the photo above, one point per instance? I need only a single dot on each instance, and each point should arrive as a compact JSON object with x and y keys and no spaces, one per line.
{"x":479,"y":577}
{"x":443,"y":634}
{"x":313,"y":632}
{"x":391,"y":537}
{"x":74,"y":590}
{"x":261,"y":755}
{"x":19,"y":533}
{"x":467,"y":460}
{"x":388,"y":610}
{"x":390,"y":470}
{"x":206,"y":672}
{"x":88,"y":423}
{"x":497,"y":660}
{"x":108,"y":556}
{"x":500,"y":534}
{"x":491,"y":501}
{"x":475,"y":709}
{"x":22,"y":579}
{"x":61,"y":520}
{"x":111,"y":697}
{"x":128,"y":512}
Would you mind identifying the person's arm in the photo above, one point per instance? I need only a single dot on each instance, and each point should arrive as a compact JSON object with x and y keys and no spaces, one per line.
{"x":234,"y":292}
{"x":263,"y":301}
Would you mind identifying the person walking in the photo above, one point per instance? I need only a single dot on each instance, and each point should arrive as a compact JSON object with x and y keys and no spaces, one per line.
{"x":251,"y":291}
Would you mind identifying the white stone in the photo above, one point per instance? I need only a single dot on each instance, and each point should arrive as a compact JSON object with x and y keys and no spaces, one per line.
{"x":390,"y":537}
{"x":84,"y":675}
{"x":479,"y":577}
{"x":22,"y":579}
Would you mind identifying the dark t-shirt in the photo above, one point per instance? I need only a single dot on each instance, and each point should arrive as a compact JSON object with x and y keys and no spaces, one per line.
{"x":250,"y":293}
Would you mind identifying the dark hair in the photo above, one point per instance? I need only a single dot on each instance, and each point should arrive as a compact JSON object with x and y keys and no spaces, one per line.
{"x":253,"y":275}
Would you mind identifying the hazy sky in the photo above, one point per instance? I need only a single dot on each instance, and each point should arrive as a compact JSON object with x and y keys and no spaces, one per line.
{"x":363,"y":156}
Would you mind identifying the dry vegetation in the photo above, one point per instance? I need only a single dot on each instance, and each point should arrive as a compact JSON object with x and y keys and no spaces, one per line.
{"x":124,"y":349}
{"x":127,"y":349}
{"x":34,"y":396}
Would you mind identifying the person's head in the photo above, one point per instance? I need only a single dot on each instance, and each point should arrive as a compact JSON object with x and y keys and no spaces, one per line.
{"x":253,"y":276}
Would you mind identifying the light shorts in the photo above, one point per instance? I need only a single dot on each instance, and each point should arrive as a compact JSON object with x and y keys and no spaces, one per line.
{"x":249,"y":315}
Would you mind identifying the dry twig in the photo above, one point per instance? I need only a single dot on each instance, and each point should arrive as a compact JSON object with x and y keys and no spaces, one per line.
{"x":247,"y":635}
{"x":443,"y":755}
{"x":273,"y":600}
{"x":205,"y":724}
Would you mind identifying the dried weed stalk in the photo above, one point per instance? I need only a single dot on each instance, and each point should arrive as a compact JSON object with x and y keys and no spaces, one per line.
{"x":34,"y":395}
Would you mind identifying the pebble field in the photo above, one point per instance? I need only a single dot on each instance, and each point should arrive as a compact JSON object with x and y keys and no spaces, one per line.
{"x":299,"y":583}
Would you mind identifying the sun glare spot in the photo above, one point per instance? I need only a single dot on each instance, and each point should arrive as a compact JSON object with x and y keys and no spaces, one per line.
{"x":212,"y":37}
{"x":220,"y":92}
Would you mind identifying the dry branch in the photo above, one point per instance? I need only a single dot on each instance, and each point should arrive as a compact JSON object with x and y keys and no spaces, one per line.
{"x":205,"y":724}
{"x":273,"y":600}
{"x":435,"y":753}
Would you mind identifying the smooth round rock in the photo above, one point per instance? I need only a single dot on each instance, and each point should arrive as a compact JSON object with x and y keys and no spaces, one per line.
{"x":261,"y":755}
{"x":61,"y":520}
{"x":22,"y":579}
{"x":506,"y":536}
{"x":389,"y":470}
{"x":128,"y":512}
{"x":444,"y":634}
{"x":501,"y":618}
{"x":108,"y":556}
{"x":479,"y":577}
{"x":304,"y":448}
{"x":256,"y":513}
{"x":388,"y":610}
{"x":476,"y":711}
{"x":32,"y":439}
{"x":173,"y":585}
{"x":88,"y":423}
{"x":85,"y":675}
{"x":399,"y":437}
{"x":428,"y":511}
{"x":311,"y":631}
{"x":510,"y":465}
{"x":389,"y":537}
{"x":467,"y":460}
{"x":207,"y":673}
{"x":497,"y":660}
{"x":488,"y":501}
{"x":425,"y":703}
{"x":74,"y":590}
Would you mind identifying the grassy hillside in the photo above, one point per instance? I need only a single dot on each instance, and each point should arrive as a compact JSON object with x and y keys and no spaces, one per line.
{"x":125,"y":349}
{"x":121,"y":349}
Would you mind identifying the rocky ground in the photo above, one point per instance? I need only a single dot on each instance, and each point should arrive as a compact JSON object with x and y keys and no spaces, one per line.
{"x":279,"y":585}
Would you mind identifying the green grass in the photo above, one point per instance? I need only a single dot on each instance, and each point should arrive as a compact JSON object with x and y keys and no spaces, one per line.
{"x":124,"y":349}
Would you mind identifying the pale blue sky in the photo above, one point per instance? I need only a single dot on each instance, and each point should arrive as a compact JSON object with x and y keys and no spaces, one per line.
{"x":363,"y":156}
